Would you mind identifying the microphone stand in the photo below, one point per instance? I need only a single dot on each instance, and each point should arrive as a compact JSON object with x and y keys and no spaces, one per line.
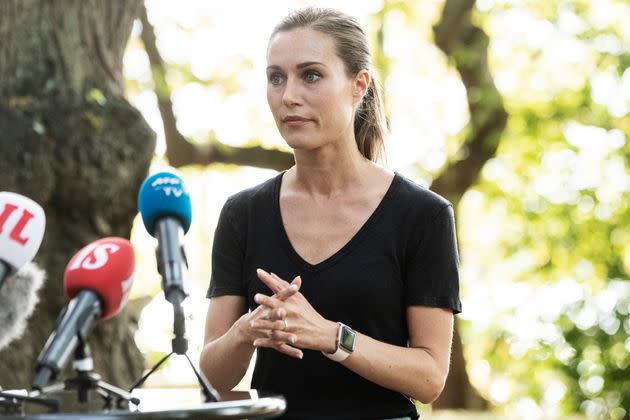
{"x":13,"y":404}
{"x":87,"y":380}
{"x":172,"y":283}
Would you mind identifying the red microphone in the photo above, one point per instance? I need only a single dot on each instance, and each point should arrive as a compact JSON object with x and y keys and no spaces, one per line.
{"x":98,"y":280}
{"x":105,"y":267}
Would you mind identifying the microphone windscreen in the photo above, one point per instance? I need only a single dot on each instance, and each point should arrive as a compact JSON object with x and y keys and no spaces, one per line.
{"x":106,"y":267}
{"x":164,"y":194}
{"x":22,"y":225}
{"x":18,"y":298}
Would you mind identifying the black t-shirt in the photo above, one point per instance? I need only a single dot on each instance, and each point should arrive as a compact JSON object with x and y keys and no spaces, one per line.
{"x":405,"y":254}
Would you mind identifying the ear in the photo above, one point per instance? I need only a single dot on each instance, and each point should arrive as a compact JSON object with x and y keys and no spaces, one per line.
{"x":360,"y":85}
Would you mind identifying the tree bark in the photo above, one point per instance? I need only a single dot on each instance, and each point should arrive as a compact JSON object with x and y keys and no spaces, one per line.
{"x":71,"y":142}
{"x":467,"y":48}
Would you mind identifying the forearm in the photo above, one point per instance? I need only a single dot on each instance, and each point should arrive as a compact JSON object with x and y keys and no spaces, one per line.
{"x":410,"y":371}
{"x":225,"y":360}
{"x":418,"y":371}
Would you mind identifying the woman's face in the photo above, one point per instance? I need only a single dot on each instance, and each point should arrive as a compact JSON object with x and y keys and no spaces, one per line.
{"x":309,"y":93}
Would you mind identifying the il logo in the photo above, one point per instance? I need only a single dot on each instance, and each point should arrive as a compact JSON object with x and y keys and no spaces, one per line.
{"x":94,"y":256}
{"x":16,"y":232}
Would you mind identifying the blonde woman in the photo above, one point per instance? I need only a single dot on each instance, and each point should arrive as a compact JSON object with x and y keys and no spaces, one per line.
{"x":358,"y":317}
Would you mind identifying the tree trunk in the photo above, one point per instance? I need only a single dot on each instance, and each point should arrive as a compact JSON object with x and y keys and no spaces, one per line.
{"x":466,"y":45}
{"x":71,"y":142}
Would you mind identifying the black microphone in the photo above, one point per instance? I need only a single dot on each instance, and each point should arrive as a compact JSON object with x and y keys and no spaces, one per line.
{"x":18,"y":299}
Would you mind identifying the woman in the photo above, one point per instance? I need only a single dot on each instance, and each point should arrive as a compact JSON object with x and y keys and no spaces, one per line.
{"x":367,"y":321}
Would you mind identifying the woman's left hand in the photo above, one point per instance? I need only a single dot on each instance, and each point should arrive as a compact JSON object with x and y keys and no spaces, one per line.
{"x":313,"y":331}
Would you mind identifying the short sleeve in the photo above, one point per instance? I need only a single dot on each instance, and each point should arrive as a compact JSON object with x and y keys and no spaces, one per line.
{"x":432,"y":275}
{"x":227,"y":258}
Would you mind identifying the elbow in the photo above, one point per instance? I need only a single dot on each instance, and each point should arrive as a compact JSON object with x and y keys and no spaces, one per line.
{"x":221,"y":381}
{"x":203,"y":362}
{"x":431,"y":388}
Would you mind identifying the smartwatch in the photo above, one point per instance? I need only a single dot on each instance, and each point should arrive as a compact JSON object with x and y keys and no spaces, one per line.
{"x":346,"y":338}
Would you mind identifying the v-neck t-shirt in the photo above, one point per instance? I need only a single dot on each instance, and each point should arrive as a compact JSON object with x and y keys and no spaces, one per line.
{"x":404,"y":254}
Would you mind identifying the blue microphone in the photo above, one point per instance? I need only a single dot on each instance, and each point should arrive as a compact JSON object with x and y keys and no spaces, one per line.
{"x":164,"y":203}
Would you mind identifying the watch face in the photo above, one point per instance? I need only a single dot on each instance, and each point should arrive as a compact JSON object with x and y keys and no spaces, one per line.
{"x":347,"y":338}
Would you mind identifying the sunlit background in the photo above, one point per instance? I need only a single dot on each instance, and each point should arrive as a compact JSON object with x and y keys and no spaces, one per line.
{"x":544,"y":235}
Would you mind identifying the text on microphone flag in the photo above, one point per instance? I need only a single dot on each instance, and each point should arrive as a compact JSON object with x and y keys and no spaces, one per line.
{"x":94,"y":256}
{"x":17,"y":231}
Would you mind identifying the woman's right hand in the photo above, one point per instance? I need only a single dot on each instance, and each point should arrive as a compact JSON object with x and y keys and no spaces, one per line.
{"x":282,"y":339}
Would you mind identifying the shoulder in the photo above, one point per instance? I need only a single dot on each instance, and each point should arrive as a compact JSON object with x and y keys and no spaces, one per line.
{"x":240,"y":203}
{"x":419,"y":200}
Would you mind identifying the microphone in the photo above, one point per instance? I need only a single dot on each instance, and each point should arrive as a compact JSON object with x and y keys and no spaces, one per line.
{"x":98,"y":280}
{"x":18,"y":298}
{"x":22,"y":225}
{"x":164,"y":203}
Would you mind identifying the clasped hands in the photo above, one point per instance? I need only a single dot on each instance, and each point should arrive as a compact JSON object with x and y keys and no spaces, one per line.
{"x":286,"y":321}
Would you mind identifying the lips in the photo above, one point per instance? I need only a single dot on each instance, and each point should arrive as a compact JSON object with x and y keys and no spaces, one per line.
{"x":294,"y":119}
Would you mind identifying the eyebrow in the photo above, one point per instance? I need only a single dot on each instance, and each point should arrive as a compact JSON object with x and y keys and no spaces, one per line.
{"x":299,"y":66}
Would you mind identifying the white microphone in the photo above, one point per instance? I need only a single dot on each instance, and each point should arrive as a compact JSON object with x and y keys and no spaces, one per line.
{"x":18,"y":298}
{"x":22,"y":225}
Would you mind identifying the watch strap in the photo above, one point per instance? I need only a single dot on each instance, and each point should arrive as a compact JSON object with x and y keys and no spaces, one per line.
{"x":341,"y":353}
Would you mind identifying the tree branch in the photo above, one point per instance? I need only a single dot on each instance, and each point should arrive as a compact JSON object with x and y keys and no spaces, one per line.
{"x":180,"y":151}
{"x":467,"y":46}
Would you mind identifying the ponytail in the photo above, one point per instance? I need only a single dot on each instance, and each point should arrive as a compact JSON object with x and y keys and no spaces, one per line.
{"x":370,"y":124}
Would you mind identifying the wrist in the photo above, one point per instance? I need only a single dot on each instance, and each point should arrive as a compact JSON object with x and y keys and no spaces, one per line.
{"x":240,"y":333}
{"x":345,"y":342}
{"x":330,"y":335}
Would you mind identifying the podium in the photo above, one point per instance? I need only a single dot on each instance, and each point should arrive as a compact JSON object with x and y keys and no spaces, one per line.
{"x":233,"y":405}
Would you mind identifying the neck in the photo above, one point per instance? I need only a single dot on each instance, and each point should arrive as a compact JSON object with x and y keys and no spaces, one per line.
{"x":329,"y":171}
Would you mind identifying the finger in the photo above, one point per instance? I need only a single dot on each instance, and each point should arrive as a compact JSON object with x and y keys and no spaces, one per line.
{"x":297,"y":281}
{"x":269,"y":302}
{"x":277,"y":314}
{"x":281,"y":347}
{"x":287,"y":292}
{"x":271,"y":282}
{"x":290,"y":351}
{"x":284,"y":337}
{"x":260,"y":312}
{"x":262,"y":324}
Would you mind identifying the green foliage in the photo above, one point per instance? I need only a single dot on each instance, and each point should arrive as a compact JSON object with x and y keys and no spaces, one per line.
{"x":561,"y":176}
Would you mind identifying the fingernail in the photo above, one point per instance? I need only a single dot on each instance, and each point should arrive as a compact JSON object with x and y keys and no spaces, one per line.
{"x":293,"y":339}
{"x":257,"y":297}
{"x":293,"y":287}
{"x":259,"y":271}
{"x":256,"y":343}
{"x":301,"y":355}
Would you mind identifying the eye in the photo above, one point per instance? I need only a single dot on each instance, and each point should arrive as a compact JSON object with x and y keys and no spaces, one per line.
{"x":275,"y":79}
{"x":311,"y":76}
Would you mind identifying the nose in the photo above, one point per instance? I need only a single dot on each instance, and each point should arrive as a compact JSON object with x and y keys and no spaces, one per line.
{"x":291,"y":93}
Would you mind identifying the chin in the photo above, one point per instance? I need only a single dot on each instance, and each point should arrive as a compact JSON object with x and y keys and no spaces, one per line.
{"x":301,"y":142}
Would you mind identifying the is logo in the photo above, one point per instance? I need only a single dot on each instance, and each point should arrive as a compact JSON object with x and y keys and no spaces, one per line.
{"x":94,"y":256}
